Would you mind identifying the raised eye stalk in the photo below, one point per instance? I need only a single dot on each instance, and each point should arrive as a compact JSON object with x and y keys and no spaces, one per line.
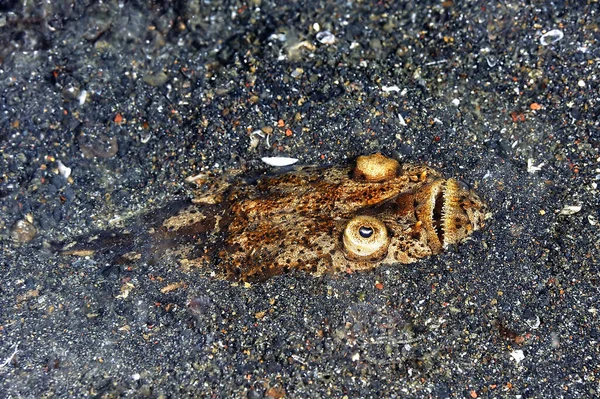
{"x":375,"y":168}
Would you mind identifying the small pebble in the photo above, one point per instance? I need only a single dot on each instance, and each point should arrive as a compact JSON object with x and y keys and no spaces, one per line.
{"x":22,"y":231}
{"x":97,"y":145}
{"x":156,"y":80}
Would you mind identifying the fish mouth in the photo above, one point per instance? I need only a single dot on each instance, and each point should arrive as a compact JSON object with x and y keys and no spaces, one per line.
{"x":437,"y":214}
{"x":449,"y":211}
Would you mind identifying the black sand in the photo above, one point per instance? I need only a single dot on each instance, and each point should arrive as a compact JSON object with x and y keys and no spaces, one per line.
{"x":135,"y":97}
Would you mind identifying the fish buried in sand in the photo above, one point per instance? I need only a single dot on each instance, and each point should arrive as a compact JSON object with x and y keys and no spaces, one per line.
{"x":319,"y":220}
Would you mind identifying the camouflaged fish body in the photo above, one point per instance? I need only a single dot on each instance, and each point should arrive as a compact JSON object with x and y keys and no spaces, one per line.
{"x":321,"y":220}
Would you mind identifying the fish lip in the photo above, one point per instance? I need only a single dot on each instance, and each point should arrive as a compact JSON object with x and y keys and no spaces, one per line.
{"x":464,"y":212}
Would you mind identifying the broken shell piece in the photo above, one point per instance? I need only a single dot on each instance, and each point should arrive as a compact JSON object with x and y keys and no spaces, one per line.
{"x":531,"y":168}
{"x":325,"y":37}
{"x":570,"y":209}
{"x":551,"y":37}
{"x":279,"y":161}
{"x":64,"y":171}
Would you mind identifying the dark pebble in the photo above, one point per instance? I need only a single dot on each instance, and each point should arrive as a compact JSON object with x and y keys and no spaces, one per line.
{"x":58,"y":181}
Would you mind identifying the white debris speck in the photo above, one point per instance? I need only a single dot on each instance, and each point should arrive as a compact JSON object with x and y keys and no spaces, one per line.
{"x":297,"y":72}
{"x":592,"y":219}
{"x":402,"y":121}
{"x":316,"y":27}
{"x":279,"y":161}
{"x":82,"y":97}
{"x":63,"y":170}
{"x":534,"y":323}
{"x":531,"y":168}
{"x":491,"y":60}
{"x":136,"y":376}
{"x":255,"y":137}
{"x":517,"y":355}
{"x":354,"y":45}
{"x":570,"y":209}
{"x":299,"y":360}
{"x":199,"y":176}
{"x":325,"y":37}
{"x":456,"y":102}
{"x":115,"y":220}
{"x":280,"y":37}
{"x":436,"y":62}
{"x":387,"y":89}
{"x":356,"y":357}
{"x":555,"y":340}
{"x":11,"y":356}
{"x":551,"y":37}
{"x":581,"y":83}
{"x":145,"y":137}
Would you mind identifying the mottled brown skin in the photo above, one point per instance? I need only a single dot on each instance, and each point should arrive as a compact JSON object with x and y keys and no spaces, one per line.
{"x":321,"y":220}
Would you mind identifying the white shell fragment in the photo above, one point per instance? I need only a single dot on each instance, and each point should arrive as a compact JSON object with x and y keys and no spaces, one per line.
{"x":570,"y":209}
{"x":531,"y":168}
{"x":82,"y":97}
{"x":64,"y":171}
{"x":387,"y":89}
{"x":279,"y":161}
{"x":551,"y":37}
{"x":325,"y":37}
{"x":517,"y":355}
{"x":402,"y":120}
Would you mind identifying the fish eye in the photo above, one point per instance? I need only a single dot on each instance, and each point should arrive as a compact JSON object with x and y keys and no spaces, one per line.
{"x":365,"y":238}
{"x":365,"y":232}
